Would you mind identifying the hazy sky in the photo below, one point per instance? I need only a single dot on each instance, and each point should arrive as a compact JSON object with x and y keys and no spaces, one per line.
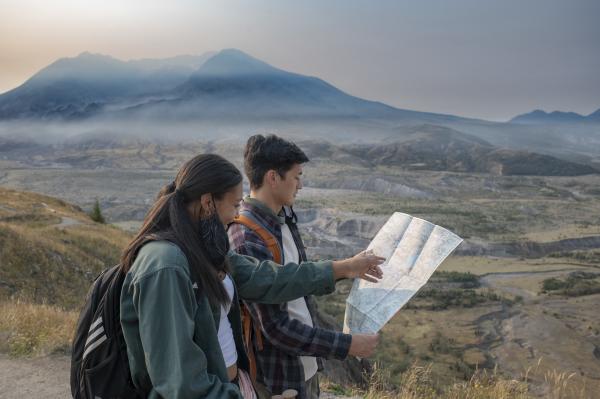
{"x":482,"y":58}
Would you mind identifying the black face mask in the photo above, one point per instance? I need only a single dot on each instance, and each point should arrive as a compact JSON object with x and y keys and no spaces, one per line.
{"x":214,"y":239}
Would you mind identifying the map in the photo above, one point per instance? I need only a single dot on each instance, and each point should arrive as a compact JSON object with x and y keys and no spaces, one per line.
{"x":413,"y":249}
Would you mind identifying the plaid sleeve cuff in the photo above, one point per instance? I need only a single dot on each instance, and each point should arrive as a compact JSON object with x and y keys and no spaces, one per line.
{"x":341,"y":346}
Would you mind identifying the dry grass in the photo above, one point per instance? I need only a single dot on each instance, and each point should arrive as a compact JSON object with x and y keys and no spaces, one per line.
{"x":56,"y":266}
{"x":417,"y":383}
{"x":33,"y":329}
{"x":44,"y":262}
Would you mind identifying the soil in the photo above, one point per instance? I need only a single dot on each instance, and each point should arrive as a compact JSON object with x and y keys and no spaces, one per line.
{"x":44,"y":377}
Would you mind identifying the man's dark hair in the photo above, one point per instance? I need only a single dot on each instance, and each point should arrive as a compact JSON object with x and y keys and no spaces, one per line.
{"x":270,"y":153}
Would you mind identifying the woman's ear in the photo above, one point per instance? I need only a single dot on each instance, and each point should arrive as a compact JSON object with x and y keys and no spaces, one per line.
{"x":207,"y":203}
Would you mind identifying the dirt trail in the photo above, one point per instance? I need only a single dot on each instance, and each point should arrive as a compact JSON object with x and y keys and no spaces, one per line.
{"x":44,"y":377}
{"x":66,"y":222}
{"x":48,"y":378}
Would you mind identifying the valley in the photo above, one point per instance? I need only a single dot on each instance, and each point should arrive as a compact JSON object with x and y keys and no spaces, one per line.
{"x":519,"y":296}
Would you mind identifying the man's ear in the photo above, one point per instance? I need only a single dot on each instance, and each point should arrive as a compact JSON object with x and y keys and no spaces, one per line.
{"x":271,"y":177}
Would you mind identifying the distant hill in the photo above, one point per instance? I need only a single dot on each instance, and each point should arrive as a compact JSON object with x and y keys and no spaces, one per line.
{"x":541,"y":117}
{"x":430,"y":147}
{"x":421,"y":147}
{"x":595,"y":116}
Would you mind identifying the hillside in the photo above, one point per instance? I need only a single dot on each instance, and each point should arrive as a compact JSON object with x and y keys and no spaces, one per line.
{"x":50,"y":251}
{"x":438,"y":148}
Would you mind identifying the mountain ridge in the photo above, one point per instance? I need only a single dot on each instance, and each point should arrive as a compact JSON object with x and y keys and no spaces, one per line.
{"x":539,"y":116}
{"x":90,"y":85}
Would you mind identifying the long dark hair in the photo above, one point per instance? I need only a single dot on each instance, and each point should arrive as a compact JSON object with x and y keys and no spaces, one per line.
{"x":169,"y":219}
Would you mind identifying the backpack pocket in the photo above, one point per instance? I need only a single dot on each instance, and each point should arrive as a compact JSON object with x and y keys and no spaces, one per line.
{"x":105,"y":380}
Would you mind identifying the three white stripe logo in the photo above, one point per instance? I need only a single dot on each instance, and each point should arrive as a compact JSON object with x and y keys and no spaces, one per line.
{"x":95,"y":336}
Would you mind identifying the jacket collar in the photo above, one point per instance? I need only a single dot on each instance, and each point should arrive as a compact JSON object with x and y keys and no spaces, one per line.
{"x":265,"y":211}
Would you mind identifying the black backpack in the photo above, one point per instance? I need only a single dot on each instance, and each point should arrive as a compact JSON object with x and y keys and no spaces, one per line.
{"x":99,"y":365}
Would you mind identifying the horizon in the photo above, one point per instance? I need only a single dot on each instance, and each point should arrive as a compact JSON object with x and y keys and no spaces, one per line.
{"x":483,"y":61}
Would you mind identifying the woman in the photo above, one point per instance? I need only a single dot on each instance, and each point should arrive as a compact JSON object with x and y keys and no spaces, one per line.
{"x":180,"y":299}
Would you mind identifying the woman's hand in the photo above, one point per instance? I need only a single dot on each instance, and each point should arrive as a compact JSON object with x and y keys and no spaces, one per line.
{"x":364,"y":265}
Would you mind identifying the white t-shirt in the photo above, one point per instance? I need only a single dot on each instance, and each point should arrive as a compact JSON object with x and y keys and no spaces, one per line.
{"x":297,"y":308}
{"x":225,"y":333}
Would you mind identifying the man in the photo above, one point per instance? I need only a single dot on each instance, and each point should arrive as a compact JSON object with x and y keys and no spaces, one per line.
{"x":289,"y":344}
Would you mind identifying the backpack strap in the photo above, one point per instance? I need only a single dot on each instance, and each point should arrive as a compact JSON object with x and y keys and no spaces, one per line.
{"x":247,"y":325}
{"x":266,"y":236}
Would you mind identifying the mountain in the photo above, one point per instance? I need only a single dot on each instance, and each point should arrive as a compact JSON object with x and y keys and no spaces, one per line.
{"x":541,"y":117}
{"x":234,"y":86}
{"x":230,"y":93}
{"x":233,"y":82}
{"x":187,"y":63}
{"x":82,"y":86}
{"x":227,"y":84}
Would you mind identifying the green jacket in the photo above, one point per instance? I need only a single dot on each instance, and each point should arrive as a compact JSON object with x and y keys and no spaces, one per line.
{"x":171,"y":337}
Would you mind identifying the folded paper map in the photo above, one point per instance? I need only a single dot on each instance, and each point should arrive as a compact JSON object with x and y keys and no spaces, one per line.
{"x":413,"y":249}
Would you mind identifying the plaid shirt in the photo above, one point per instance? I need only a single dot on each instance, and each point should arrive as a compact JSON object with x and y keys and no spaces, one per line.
{"x":284,"y":339}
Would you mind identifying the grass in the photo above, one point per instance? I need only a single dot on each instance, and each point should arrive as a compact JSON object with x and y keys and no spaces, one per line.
{"x":52,"y":265}
{"x":480,"y":266}
{"x":47,"y":270}
{"x":35,"y":329}
{"x":43,"y":262}
{"x":581,"y":229}
{"x":418,"y":383}
{"x":590,"y":256}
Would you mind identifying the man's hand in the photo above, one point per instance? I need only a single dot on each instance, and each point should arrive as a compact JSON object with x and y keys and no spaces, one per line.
{"x":363,"y":345}
{"x":364,"y":265}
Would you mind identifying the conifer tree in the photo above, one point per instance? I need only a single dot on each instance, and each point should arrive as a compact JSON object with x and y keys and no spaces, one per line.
{"x":96,"y":213}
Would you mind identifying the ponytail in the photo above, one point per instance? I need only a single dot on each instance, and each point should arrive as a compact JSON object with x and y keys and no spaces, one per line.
{"x":168,"y":219}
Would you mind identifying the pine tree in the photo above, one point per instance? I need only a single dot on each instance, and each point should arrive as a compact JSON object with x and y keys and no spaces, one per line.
{"x":96,"y":213}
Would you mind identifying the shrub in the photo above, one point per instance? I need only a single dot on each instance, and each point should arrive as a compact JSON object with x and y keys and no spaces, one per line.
{"x":441,"y":344}
{"x":576,"y":284}
{"x":553,"y":284}
{"x":467,"y":280}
